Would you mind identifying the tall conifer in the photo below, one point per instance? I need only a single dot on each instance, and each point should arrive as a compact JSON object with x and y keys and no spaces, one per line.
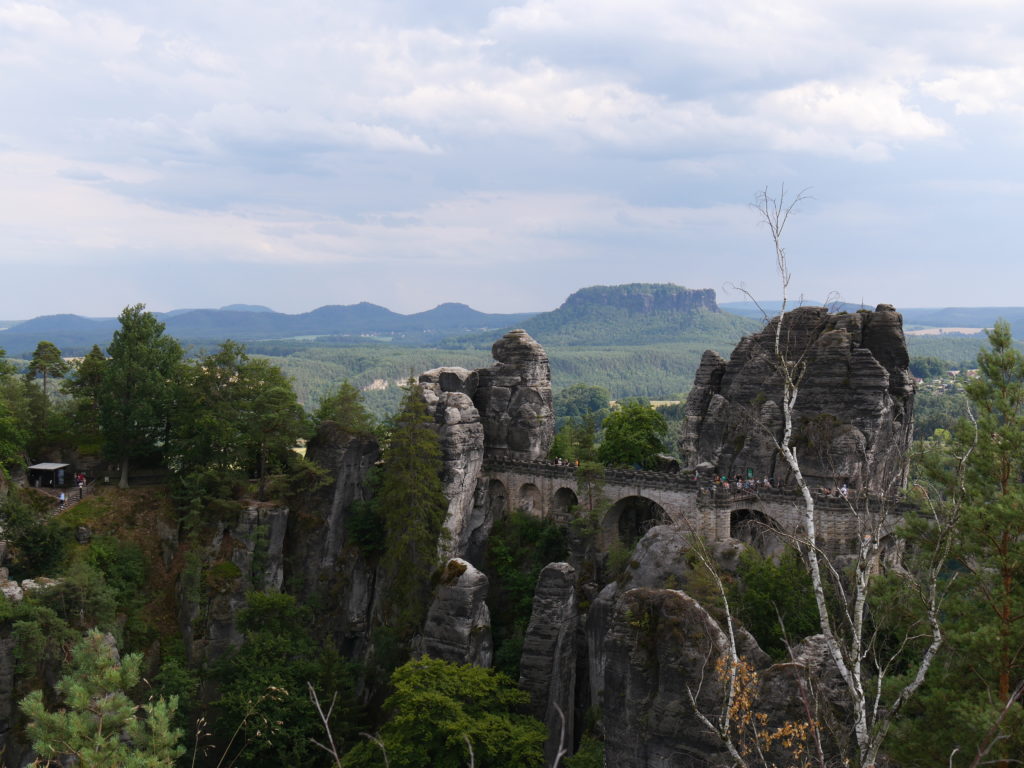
{"x":413,"y":507}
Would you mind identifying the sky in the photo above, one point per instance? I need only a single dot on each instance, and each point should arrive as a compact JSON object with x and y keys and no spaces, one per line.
{"x":298,"y":153}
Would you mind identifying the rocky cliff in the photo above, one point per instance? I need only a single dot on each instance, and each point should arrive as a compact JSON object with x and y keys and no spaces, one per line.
{"x":502,"y":412}
{"x":853,"y":419}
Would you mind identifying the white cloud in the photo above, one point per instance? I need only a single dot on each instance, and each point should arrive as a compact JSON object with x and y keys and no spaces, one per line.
{"x":980,"y":91}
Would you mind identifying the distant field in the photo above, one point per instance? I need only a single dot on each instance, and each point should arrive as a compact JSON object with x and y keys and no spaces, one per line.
{"x":944,"y":331}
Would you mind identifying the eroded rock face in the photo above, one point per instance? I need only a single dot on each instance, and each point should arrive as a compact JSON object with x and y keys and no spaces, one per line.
{"x":661,"y":644}
{"x":514,"y":399}
{"x":448,"y":393}
{"x":853,"y":420}
{"x":548,"y":662}
{"x":324,"y":565}
{"x":248,"y":555}
{"x":458,"y":625}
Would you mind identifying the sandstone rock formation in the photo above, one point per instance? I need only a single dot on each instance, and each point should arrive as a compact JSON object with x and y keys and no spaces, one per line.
{"x":514,"y":399}
{"x":662,"y":647}
{"x":853,"y":420}
{"x":448,"y":393}
{"x":248,"y":555}
{"x":458,"y":625}
{"x":323,"y":562}
{"x":548,"y":662}
{"x":501,"y":412}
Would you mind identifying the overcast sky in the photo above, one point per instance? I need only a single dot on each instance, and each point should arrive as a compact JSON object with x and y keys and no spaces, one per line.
{"x":297,"y":153}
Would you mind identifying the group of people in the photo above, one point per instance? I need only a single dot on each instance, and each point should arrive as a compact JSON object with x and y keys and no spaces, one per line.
{"x":738,"y":483}
{"x":841,"y":492}
{"x":80,"y":481}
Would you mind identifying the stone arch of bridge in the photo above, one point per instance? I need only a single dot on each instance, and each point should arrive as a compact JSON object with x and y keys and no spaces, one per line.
{"x":629,"y":518}
{"x":758,"y":530}
{"x":562,"y":504}
{"x":530,"y":500}
{"x":497,"y":499}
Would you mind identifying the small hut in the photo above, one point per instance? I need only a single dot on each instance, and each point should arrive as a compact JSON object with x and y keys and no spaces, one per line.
{"x":49,"y":475}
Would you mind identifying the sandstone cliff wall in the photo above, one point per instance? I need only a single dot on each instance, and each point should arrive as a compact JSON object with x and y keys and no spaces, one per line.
{"x":853,"y":420}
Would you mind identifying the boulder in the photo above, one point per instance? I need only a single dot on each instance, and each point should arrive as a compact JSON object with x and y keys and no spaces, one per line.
{"x":458,"y":625}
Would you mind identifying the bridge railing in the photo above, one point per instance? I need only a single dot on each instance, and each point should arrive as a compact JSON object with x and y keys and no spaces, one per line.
{"x":710,"y":493}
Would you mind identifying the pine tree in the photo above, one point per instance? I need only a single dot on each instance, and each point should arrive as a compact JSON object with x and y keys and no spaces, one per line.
{"x":48,"y":363}
{"x":100,"y":726}
{"x":413,"y":507}
{"x":345,"y":407}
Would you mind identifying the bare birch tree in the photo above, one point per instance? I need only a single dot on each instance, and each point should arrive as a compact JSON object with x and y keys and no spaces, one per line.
{"x":848,"y":635}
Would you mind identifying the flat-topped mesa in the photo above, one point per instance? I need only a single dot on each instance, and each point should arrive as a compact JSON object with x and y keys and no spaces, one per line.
{"x":514,"y":399}
{"x":853,"y":420}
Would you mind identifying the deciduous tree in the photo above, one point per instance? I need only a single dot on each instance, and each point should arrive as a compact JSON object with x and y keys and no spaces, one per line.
{"x":137,"y":386}
{"x":634,"y":434}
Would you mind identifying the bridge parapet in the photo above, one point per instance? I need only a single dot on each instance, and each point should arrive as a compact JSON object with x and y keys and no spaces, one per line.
{"x":550,"y":489}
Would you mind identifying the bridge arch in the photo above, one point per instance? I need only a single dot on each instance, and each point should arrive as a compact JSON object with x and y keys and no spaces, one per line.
{"x":530,"y":500}
{"x":756,"y":529}
{"x":497,"y":499}
{"x":562,"y":504}
{"x":631,"y":517}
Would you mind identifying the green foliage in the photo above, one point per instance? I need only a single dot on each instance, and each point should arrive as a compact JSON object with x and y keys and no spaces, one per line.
{"x":41,"y":638}
{"x":634,"y":434}
{"x":99,"y":725}
{"x":938,"y":408}
{"x":930,"y":367}
{"x":14,"y":430}
{"x":366,"y":529}
{"x":122,"y":564}
{"x":83,"y":597}
{"x":236,"y":416}
{"x":40,"y":543}
{"x":345,"y":407}
{"x":46,"y":362}
{"x":265,"y":716}
{"x":589,"y":755}
{"x":519,"y":547}
{"x":176,"y":678}
{"x":413,"y":507}
{"x":576,"y":440}
{"x":579,"y":400}
{"x":137,"y":387}
{"x":774,"y":601}
{"x":983,"y":618}
{"x":437,"y":707}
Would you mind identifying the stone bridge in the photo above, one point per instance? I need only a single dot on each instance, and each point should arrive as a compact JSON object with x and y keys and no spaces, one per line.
{"x":639,"y":500}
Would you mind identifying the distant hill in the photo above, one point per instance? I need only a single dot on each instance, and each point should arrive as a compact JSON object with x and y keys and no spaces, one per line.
{"x":246,"y":308}
{"x":632,"y":315}
{"x":360,"y":323}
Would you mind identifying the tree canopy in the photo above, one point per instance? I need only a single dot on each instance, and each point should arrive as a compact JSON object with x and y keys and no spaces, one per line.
{"x":634,"y":434}
{"x":413,"y":506}
{"x":99,"y":725}
{"x":439,"y":711}
{"x":137,"y":386}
